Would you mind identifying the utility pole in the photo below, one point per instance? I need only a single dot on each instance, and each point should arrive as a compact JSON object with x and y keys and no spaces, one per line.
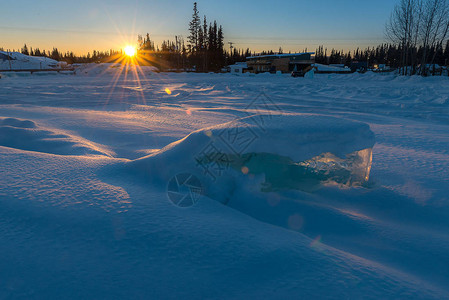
{"x":231,"y":46}
{"x":9,"y":60}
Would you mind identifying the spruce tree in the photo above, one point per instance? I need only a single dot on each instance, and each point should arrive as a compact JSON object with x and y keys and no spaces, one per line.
{"x":25,"y":50}
{"x":220,"y":48}
{"x":194,"y":28}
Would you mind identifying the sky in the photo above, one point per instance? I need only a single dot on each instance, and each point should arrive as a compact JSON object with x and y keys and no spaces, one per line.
{"x":295,"y":25}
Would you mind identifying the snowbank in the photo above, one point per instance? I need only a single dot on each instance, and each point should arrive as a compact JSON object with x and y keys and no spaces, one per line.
{"x":289,"y":151}
{"x":330,"y":69}
{"x":19,"y":61}
{"x":26,"y":135}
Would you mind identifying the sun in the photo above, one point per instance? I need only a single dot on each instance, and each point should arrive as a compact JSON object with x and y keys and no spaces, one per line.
{"x":130,"y":51}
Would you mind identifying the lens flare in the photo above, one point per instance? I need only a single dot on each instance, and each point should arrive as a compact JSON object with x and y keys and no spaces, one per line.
{"x":130,"y":51}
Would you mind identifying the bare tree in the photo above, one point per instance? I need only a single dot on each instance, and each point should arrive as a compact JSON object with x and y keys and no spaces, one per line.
{"x":434,"y":30}
{"x":402,"y":29}
{"x":414,"y":37}
{"x":418,"y":23}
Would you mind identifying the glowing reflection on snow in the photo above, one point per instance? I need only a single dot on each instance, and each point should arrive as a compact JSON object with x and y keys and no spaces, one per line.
{"x":354,"y":170}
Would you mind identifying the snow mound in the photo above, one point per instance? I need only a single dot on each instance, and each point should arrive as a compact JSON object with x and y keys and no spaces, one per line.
{"x":283,"y":151}
{"x":330,"y":68}
{"x":19,"y":61}
{"x":26,"y":135}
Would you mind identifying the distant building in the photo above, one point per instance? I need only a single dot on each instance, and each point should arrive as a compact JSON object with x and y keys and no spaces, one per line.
{"x":285,"y":63}
{"x":238,"y":68}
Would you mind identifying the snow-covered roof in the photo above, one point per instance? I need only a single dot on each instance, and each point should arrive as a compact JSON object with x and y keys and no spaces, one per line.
{"x":5,"y":56}
{"x":19,"y":61}
{"x":20,"y":56}
{"x":239,"y":65}
{"x":330,"y":68}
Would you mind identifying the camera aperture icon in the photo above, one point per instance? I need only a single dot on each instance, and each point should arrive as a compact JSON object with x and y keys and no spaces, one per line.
{"x":184,"y":190}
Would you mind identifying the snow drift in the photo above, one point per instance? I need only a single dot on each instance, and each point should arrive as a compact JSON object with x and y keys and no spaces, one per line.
{"x":26,"y":135}
{"x":18,"y":61}
{"x":284,"y":151}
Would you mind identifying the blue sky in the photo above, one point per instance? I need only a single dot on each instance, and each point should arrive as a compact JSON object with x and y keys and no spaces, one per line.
{"x":84,"y":25}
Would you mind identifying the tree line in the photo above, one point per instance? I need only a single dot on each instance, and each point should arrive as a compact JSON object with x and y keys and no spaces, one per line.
{"x":177,"y":55}
{"x":69,"y":56}
{"x":388,"y":54}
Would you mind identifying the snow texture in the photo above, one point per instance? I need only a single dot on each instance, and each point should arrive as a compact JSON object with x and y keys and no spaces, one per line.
{"x":86,"y":163}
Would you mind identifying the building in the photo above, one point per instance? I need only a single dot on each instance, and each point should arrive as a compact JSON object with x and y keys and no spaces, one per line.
{"x":238,"y":68}
{"x":285,"y":63}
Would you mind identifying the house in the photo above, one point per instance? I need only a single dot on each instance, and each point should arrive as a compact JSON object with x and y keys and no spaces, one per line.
{"x":238,"y":68}
{"x":284,"y":63}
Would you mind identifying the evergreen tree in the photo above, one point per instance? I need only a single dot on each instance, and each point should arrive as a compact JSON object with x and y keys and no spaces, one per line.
{"x":220,"y":48}
{"x":194,"y":28}
{"x":55,"y":54}
{"x":205,"y":50}
{"x":25,"y":50}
